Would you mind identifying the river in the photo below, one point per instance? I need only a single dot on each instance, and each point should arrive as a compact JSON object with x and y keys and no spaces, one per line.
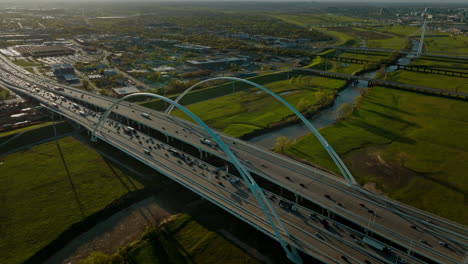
{"x":327,"y":116}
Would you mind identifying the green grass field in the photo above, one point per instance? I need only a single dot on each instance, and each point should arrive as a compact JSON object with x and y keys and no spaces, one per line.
{"x":25,"y":63}
{"x":243,"y":112}
{"x":33,"y":135}
{"x":412,"y":146}
{"x":43,"y":193}
{"x":430,"y":80}
{"x":449,"y":43}
{"x":24,"y":129}
{"x":442,"y":63}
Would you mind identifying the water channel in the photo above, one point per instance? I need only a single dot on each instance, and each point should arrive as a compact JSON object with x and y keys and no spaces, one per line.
{"x":327,"y":116}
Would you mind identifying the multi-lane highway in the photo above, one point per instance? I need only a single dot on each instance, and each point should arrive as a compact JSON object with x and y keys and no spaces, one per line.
{"x":354,"y":214}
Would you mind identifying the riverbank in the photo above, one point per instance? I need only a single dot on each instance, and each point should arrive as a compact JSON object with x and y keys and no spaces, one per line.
{"x":125,"y":225}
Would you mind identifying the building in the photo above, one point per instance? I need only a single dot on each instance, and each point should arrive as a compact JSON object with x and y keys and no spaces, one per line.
{"x":122,"y":91}
{"x":110,"y":72}
{"x":193,"y":47}
{"x":44,"y":51}
{"x":61,"y":69}
{"x":216,"y":64}
{"x":65,"y":72}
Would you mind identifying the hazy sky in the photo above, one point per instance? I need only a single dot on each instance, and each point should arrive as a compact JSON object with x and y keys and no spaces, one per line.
{"x":310,"y":1}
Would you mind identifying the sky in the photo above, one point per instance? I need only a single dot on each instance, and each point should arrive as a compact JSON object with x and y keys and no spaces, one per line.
{"x":129,"y":1}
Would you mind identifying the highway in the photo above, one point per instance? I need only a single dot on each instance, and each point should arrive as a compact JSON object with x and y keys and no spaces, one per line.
{"x":398,"y":223}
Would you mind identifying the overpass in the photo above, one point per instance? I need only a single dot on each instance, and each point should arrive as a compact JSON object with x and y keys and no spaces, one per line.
{"x":413,"y":235}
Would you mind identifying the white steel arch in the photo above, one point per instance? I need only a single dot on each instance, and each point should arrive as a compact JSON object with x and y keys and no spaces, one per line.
{"x":335,"y":157}
{"x":264,"y":203}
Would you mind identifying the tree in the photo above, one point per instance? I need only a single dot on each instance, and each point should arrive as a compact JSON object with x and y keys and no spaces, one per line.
{"x":86,"y":85}
{"x":303,"y":105}
{"x":344,"y":111}
{"x":282,"y":143}
{"x":321,"y":98}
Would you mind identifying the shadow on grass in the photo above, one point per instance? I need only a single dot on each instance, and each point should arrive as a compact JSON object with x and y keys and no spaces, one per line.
{"x":446,"y":184}
{"x":80,"y":205}
{"x":396,"y":118}
{"x":382,"y":132}
{"x":396,"y":109}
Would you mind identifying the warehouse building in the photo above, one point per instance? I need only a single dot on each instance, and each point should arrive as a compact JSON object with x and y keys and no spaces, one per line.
{"x":44,"y":51}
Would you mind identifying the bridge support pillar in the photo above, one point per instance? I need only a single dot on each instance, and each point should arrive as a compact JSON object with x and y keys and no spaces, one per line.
{"x":293,"y":255}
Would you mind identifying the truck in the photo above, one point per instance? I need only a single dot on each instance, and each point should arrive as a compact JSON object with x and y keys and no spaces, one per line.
{"x":376,"y":245}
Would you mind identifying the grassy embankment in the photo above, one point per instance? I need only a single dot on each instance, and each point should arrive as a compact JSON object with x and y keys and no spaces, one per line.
{"x":32,"y":135}
{"x":25,"y":63}
{"x":441,"y":63}
{"x":430,"y":80}
{"x":46,"y":189}
{"x":198,"y":237}
{"x":447,"y":43}
{"x":412,"y":146}
{"x":180,"y":239}
{"x":23,"y":129}
{"x":246,"y":111}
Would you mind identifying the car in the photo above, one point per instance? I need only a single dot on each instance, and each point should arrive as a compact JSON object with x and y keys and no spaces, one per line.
{"x":443,"y":244}
{"x":206,"y":141}
{"x":234,"y":180}
{"x":220,"y":183}
{"x":147,"y":152}
{"x":145,"y":115}
{"x":327,"y":196}
{"x":284,"y":204}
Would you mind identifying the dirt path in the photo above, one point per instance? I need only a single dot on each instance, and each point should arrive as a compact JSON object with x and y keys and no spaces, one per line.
{"x":125,"y":226}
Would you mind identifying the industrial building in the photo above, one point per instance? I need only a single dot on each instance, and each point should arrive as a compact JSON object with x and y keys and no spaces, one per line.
{"x":192,"y":47}
{"x":65,"y":72}
{"x":44,"y":51}
{"x":216,"y":64}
